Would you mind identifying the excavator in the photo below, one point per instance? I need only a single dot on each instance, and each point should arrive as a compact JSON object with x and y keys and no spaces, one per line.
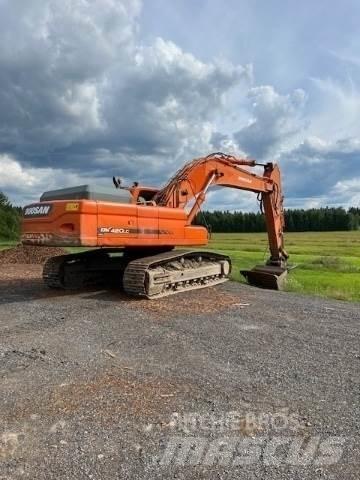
{"x":131,"y":232}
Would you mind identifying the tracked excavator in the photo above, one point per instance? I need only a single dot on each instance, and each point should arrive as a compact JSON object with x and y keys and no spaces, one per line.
{"x":131,"y":232}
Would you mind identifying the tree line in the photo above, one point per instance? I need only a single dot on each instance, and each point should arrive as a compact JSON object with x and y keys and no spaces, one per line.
{"x":314,"y":219}
{"x":9,"y":219}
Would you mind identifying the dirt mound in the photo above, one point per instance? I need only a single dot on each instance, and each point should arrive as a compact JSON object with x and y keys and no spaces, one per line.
{"x":28,"y":254}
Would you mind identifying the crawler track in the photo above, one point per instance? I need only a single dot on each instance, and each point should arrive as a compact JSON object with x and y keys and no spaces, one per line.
{"x":174,"y":272}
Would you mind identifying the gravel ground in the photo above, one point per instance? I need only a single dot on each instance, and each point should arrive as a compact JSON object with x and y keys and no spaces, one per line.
{"x":95,"y":385}
{"x":28,"y":254}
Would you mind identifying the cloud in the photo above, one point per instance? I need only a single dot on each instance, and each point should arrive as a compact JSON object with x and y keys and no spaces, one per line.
{"x":165,"y":102}
{"x":316,"y":172}
{"x":83,"y":96}
{"x":13,"y":175}
{"x":80,"y":92}
{"x":319,"y":168}
{"x":231,"y":199}
{"x":335,"y":110}
{"x":75,"y":82}
{"x":276,"y":118}
{"x":347,"y":192}
{"x":53,"y":57}
{"x":25,"y":184}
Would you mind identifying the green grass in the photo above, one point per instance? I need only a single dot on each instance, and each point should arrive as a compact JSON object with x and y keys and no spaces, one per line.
{"x":7,"y":244}
{"x":328,"y":263}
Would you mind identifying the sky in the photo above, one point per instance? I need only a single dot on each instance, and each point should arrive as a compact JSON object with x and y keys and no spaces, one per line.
{"x":95,"y":88}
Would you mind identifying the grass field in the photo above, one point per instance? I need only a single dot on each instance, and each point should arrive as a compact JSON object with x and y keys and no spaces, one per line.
{"x":7,"y":244}
{"x":328,"y":263}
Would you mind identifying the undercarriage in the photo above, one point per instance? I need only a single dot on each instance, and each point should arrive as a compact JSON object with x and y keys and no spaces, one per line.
{"x":139,"y":274}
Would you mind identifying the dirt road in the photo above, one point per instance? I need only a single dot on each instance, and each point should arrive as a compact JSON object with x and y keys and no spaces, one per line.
{"x":217,"y":383}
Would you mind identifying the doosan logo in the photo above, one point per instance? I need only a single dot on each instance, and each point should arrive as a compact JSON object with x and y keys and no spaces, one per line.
{"x":37,"y":211}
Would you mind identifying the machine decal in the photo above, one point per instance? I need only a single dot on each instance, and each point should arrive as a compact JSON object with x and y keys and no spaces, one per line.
{"x":127,"y":231}
{"x":246,"y":180}
{"x":72,"y":207}
{"x":115,"y":230}
{"x":37,"y":210}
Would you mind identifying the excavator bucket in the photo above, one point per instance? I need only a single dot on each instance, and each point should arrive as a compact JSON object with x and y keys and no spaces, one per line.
{"x":266,"y":276}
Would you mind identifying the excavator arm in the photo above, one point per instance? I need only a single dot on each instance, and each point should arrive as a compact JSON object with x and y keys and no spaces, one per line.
{"x":190,"y":184}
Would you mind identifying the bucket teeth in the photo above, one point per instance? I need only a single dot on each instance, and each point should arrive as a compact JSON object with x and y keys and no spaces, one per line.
{"x":266,"y":276}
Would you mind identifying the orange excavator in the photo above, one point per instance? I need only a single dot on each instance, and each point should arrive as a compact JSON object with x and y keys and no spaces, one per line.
{"x":136,"y":230}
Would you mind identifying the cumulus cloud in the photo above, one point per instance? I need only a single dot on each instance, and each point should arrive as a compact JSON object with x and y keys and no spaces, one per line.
{"x":336,"y":108}
{"x":53,"y":57}
{"x":276,"y":118}
{"x":83,"y":96}
{"x":28,"y":183}
{"x":165,"y":103}
{"x":79,"y":90}
{"x":316,"y":172}
{"x":347,"y":192}
{"x":325,"y":169}
{"x":14,"y":176}
{"x":231,"y":199}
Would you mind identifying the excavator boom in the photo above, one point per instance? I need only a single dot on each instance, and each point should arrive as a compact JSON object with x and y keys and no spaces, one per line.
{"x":192,"y":182}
